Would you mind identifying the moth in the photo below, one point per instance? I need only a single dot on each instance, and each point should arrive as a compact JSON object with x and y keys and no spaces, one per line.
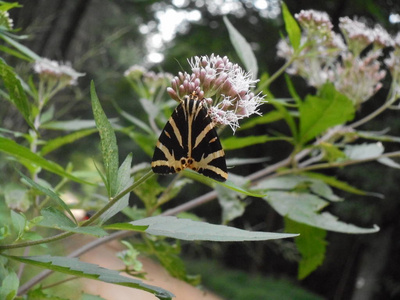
{"x":189,"y":140}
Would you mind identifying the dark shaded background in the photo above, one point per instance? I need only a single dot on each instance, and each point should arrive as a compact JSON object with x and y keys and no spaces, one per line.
{"x":101,"y":38}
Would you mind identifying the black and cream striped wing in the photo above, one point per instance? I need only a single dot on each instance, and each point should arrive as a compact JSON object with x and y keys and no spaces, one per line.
{"x":189,"y":140}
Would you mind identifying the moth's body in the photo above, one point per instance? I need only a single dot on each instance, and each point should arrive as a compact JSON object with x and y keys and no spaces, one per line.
{"x":189,"y":140}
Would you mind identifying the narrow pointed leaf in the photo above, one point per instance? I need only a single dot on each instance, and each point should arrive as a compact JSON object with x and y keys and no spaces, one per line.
{"x":75,"y":267}
{"x":108,"y":140}
{"x":243,"y":48}
{"x":64,"y":140}
{"x":269,"y":117}
{"x":189,"y":230}
{"x":306,"y":208}
{"x":292,"y":28}
{"x":245,"y":161}
{"x":236,"y":142}
{"x":336,"y":183}
{"x":71,"y":125}
{"x":15,"y":91}
{"x":389,"y":162}
{"x":126,"y":226}
{"x":24,"y":154}
{"x":25,"y":50}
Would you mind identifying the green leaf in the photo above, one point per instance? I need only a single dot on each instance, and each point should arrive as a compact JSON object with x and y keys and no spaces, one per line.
{"x":327,"y":109}
{"x":235,"y":142}
{"x":292,"y":28}
{"x":53,"y":218}
{"x":129,"y":257}
{"x":332,"y":153}
{"x":231,"y":203}
{"x":72,"y":125}
{"x":137,"y":122}
{"x":305,"y":208}
{"x":75,"y":267}
{"x":148,"y":191}
{"x":269,"y":117}
{"x":14,"y":53}
{"x":15,"y":91}
{"x":124,"y":180}
{"x":64,"y":140}
{"x":231,"y":162}
{"x":378,"y":136}
{"x":18,"y":221}
{"x":189,"y":230}
{"x":363,"y":151}
{"x":243,"y":48}
{"x":108,"y":140}
{"x":292,"y":89}
{"x":9,"y":286}
{"x":388,"y":162}
{"x":311,"y":244}
{"x":125,"y":226}
{"x":25,"y":155}
{"x":25,"y":50}
{"x":145,"y":141}
{"x":16,"y":197}
{"x":49,"y":193}
{"x":336,"y":183}
{"x":298,"y":183}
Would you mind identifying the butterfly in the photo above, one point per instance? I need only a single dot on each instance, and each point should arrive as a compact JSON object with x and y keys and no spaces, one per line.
{"x":189,"y":140}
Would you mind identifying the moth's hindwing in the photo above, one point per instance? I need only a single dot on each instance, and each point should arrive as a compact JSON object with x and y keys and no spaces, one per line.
{"x":189,"y":140}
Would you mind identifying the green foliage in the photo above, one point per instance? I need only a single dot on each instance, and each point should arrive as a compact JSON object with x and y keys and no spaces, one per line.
{"x":239,"y":285}
{"x":185,"y":229}
{"x":292,"y":28}
{"x":321,"y":134}
{"x":53,"y":218}
{"x":235,"y":142}
{"x":108,"y":142}
{"x":9,"y":286}
{"x":242,"y":47}
{"x":73,"y":266}
{"x":49,"y":193}
{"x":16,"y":93}
{"x":311,"y":244}
{"x":327,"y":109}
{"x":32,"y":160}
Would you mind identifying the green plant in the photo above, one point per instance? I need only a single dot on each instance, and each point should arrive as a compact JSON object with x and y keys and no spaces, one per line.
{"x":322,"y":126}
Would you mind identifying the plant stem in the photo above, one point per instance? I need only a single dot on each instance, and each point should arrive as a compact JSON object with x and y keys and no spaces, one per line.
{"x":276,"y":74}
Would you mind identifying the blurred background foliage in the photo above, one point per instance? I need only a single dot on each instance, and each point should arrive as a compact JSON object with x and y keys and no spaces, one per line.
{"x":104,"y":38}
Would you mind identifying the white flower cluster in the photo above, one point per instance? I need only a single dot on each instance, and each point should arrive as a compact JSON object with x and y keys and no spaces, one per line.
{"x":325,"y":56}
{"x":54,"y":71}
{"x":224,"y":86}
